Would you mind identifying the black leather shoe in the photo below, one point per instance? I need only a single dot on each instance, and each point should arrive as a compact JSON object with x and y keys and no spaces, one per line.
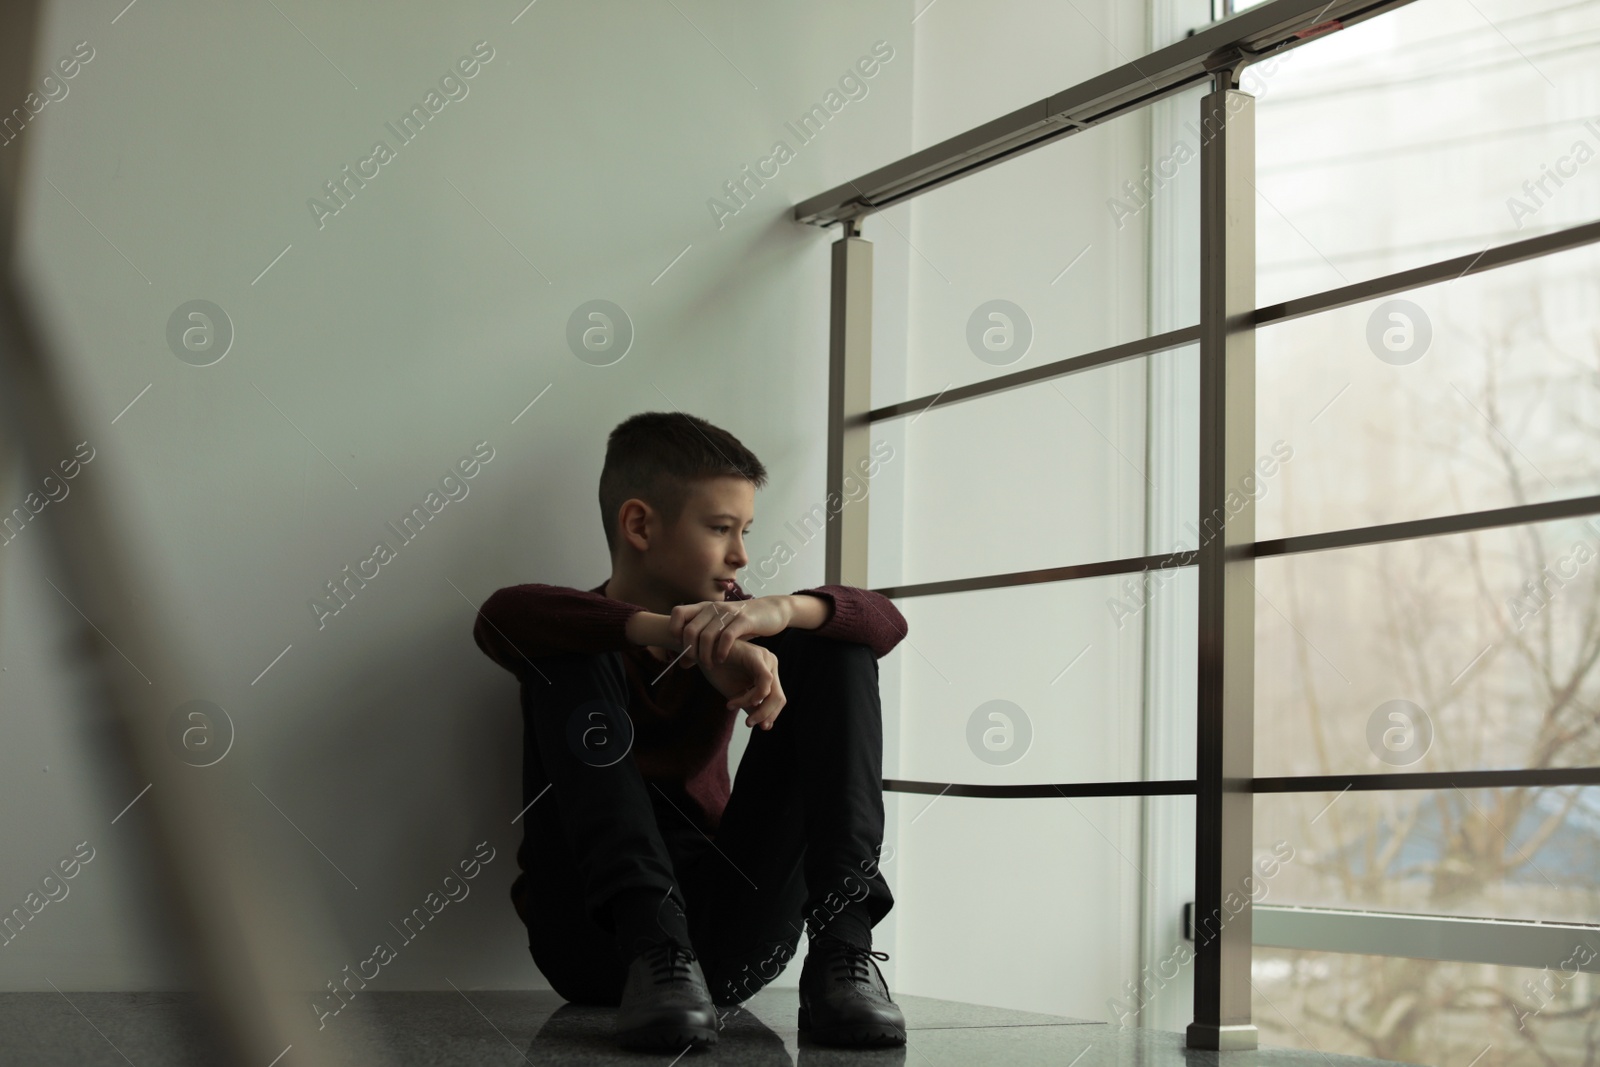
{"x":665,"y":1002}
{"x":844,"y":999}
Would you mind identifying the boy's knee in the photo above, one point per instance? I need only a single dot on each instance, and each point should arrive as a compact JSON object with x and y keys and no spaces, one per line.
{"x":816,"y":644}
{"x":564,"y":682}
{"x":569,"y":667}
{"x":851,"y":659}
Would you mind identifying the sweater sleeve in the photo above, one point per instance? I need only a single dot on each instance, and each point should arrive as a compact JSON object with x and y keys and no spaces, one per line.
{"x":860,"y":615}
{"x":520,"y":623}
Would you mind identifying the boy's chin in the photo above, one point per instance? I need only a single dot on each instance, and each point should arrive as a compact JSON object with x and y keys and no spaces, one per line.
{"x":712,"y":592}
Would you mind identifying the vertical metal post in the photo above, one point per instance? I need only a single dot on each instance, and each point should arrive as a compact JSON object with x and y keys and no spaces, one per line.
{"x":1226,"y":696}
{"x":849,"y":399}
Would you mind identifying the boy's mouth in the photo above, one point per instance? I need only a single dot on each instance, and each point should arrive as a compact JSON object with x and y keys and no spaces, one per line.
{"x":724,"y":584}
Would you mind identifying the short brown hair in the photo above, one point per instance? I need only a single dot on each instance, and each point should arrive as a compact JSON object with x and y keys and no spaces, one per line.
{"x":657,"y":456}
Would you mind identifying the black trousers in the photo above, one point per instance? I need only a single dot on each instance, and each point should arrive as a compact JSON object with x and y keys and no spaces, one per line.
{"x":800,"y":838}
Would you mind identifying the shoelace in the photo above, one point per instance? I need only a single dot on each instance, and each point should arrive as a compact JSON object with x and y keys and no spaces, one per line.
{"x":853,"y":960}
{"x":667,"y":958}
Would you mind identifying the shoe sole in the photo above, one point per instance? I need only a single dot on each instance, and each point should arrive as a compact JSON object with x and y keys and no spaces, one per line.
{"x":852,"y":1035}
{"x":666,"y":1037}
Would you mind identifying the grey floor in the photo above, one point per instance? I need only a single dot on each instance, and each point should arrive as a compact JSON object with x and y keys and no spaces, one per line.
{"x":476,"y":1027}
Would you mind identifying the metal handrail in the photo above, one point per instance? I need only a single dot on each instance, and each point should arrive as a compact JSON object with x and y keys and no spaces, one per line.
{"x":1247,"y":37}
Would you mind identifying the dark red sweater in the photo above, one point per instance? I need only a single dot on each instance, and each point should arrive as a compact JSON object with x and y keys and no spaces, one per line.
{"x":681,"y":723}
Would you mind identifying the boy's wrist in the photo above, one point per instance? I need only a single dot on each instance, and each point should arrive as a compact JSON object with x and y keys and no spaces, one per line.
{"x":801,"y":611}
{"x":806,"y":612}
{"x":650,"y":628}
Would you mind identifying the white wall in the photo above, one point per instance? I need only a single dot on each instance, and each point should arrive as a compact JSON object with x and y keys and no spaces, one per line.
{"x":425,"y":316}
{"x":420,"y":320}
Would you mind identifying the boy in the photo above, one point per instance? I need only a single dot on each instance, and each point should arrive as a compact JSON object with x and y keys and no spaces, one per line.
{"x":647,"y":881}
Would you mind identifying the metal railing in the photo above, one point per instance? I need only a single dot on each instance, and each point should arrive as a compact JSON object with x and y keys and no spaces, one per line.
{"x":1224,"y":785}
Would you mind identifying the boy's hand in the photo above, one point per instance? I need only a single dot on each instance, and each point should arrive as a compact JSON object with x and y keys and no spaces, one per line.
{"x":708,"y":629}
{"x":748,"y":677}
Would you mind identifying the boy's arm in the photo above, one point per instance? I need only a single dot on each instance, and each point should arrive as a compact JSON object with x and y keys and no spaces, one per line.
{"x":847,"y":613}
{"x":646,"y":627}
{"x":520,"y":623}
{"x":809,"y":612}
{"x":842,"y":612}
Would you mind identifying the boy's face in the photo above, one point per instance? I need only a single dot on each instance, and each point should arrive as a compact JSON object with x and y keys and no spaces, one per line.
{"x":708,"y":542}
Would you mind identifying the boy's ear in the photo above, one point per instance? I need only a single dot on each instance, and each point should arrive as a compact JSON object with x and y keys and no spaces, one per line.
{"x":644,"y":520}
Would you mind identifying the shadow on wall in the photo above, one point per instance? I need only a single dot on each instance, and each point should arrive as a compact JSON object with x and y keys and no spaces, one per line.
{"x":402,"y":762}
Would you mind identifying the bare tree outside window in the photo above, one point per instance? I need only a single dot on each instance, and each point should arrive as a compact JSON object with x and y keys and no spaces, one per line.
{"x":1431,"y":136}
{"x":1495,"y":637}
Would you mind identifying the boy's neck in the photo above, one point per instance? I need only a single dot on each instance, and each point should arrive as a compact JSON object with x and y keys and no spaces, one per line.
{"x":619,"y":587}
